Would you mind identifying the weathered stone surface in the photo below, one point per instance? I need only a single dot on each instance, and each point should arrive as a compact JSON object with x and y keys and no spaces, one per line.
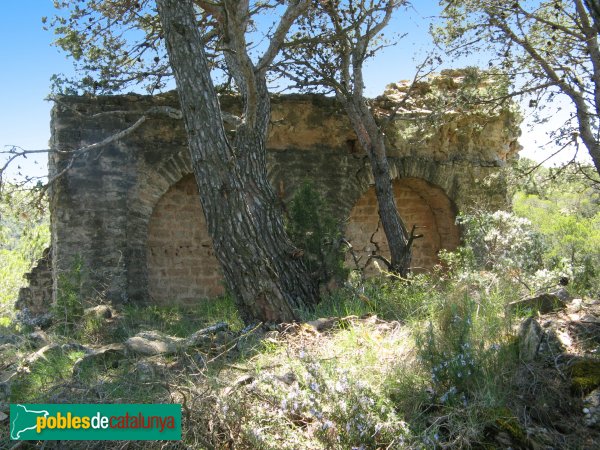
{"x":34,"y":296}
{"x":130,"y":212}
{"x":150,"y":343}
{"x":530,"y":338}
{"x":460,"y":131}
{"x":146,"y":371}
{"x":591,"y":409}
{"x":562,"y":294}
{"x":98,"y":312}
{"x":156,"y":343}
{"x":106,"y":356}
{"x":32,"y":319}
{"x":39,"y":338}
{"x":181,"y":261}
{"x":544,"y":303}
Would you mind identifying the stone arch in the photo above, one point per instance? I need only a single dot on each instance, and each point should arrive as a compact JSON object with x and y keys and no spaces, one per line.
{"x":180,"y":260}
{"x":419,"y":203}
{"x":155,"y":176}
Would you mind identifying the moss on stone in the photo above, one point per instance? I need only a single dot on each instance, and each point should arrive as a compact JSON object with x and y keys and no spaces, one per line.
{"x":506,"y":422}
{"x":585,"y":375}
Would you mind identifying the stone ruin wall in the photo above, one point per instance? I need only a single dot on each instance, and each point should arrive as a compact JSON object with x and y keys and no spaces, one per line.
{"x":131,"y":213}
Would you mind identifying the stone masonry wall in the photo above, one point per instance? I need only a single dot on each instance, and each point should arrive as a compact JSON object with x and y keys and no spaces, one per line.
{"x":419,"y":204}
{"x":128,"y":209}
{"x":180,"y":259}
{"x":33,"y":298}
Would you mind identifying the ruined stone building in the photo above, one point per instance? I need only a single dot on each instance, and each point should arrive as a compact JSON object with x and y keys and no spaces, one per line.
{"x":129,"y":213}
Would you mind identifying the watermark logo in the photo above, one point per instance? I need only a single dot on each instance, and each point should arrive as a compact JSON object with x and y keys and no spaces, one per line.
{"x":95,"y":422}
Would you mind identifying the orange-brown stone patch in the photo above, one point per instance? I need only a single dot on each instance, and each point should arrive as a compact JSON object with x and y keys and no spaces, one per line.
{"x":419,"y":203}
{"x":182,"y":267}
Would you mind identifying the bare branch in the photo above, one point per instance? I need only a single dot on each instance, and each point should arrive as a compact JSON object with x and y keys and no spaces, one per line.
{"x":18,"y":152}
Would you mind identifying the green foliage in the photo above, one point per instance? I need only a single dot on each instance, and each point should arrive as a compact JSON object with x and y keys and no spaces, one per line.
{"x":24,"y":234}
{"x":182,"y":321}
{"x":554,"y":232}
{"x":330,"y":399}
{"x":69,"y":305}
{"x":500,"y":241}
{"x":387,"y":298}
{"x":314,"y":230}
{"x":545,"y":48}
{"x":499,"y":247}
{"x":462,"y":344}
{"x":109,"y":42}
{"x":467,"y":349}
{"x":42,"y":376}
{"x":564,"y":207}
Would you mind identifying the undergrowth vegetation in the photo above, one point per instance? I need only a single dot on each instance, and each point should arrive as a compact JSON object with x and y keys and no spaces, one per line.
{"x":24,"y":234}
{"x":563,"y":206}
{"x":379,"y":363}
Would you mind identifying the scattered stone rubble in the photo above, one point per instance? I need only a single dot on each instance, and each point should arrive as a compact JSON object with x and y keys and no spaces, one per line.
{"x":560,"y":371}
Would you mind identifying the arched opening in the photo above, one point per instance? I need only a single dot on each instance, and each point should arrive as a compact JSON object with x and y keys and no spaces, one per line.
{"x":419,"y":203}
{"x":182,"y":267}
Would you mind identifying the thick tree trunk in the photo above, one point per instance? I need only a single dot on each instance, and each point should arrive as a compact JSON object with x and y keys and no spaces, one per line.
{"x":588,"y":137}
{"x":261,"y":265}
{"x":372,"y":141}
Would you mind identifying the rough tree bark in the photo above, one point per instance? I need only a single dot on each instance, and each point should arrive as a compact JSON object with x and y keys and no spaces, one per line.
{"x":356,"y":29}
{"x":350,"y":92}
{"x":261,"y":266}
{"x":372,"y":141}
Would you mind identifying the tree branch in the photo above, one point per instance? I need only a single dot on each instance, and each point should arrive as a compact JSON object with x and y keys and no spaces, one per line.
{"x":294,"y":10}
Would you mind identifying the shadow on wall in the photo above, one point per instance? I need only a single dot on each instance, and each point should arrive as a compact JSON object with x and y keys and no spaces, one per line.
{"x":419,"y":203}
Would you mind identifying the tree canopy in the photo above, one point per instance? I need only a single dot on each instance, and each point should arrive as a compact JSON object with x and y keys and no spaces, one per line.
{"x":548,"y":49}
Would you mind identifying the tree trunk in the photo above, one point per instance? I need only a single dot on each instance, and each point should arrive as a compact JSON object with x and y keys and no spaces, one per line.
{"x":372,"y":141}
{"x":261,"y":266}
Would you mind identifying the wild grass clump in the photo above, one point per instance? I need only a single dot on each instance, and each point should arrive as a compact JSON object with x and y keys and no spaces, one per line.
{"x":68,"y":308}
{"x":181,"y":321}
{"x":467,"y":349}
{"x":37,"y":381}
{"x":390,"y":299}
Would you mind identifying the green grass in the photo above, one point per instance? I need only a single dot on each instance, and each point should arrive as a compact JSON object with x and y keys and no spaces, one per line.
{"x":182,"y":321}
{"x":42,"y":377}
{"x":367,"y":382}
{"x":389,"y":299}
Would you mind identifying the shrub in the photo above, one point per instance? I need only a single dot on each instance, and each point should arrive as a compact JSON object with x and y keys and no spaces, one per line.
{"x":508,"y":248}
{"x":68,"y":308}
{"x":313,"y":229}
{"x":501,"y":240}
{"x":571,"y":229}
{"x":467,"y":350}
